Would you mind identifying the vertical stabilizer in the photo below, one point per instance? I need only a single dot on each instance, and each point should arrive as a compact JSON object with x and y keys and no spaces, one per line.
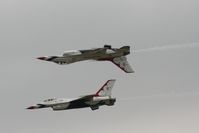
{"x":106,"y":89}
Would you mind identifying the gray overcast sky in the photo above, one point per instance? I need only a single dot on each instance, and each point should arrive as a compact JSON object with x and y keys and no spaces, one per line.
{"x":162,"y":96}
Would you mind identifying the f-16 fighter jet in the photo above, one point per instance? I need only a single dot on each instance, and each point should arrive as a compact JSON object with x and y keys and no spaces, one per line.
{"x":107,"y":53}
{"x":102,"y":97}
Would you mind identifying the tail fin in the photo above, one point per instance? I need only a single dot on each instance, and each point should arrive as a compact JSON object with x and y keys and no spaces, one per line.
{"x":125,"y":47}
{"x":125,"y":50}
{"x":106,"y":89}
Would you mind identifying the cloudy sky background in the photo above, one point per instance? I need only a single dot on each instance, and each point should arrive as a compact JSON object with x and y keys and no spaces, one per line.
{"x":162,"y":96}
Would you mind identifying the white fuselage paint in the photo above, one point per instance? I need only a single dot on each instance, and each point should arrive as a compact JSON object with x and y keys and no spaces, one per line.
{"x":63,"y":104}
{"x":75,"y":56}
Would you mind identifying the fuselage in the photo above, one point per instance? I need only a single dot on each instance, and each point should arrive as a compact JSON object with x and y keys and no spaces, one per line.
{"x":99,"y":54}
{"x":107,"y":53}
{"x":65,"y":104}
{"x":101,"y":97}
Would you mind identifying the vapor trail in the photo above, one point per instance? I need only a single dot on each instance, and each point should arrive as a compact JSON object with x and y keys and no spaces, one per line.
{"x":167,"y":47}
{"x":185,"y":94}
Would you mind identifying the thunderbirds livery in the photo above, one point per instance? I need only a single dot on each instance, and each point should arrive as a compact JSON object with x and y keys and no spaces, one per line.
{"x":107,"y":53}
{"x":101,"y":97}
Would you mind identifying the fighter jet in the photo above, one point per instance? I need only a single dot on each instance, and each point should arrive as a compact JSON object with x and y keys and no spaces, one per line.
{"x":101,"y":97}
{"x":107,"y":53}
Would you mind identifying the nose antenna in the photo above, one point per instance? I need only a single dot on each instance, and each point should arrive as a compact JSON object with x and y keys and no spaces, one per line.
{"x":41,"y":58}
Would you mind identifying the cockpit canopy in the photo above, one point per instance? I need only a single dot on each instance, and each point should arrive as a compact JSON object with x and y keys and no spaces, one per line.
{"x":107,"y":46}
{"x":71,"y":52}
{"x":49,"y":100}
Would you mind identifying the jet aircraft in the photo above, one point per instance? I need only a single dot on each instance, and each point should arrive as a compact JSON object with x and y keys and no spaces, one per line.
{"x":101,"y":97}
{"x":107,"y":53}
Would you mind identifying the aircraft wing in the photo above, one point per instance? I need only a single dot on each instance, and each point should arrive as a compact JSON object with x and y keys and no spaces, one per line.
{"x":123,"y":64}
{"x":74,"y":100}
{"x":82,"y":99}
{"x":94,"y":50}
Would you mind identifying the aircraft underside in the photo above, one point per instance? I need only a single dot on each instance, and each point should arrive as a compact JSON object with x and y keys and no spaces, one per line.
{"x":92,"y":105}
{"x":72,"y":59}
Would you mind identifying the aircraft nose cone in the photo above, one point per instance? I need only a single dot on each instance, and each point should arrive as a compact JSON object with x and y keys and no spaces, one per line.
{"x":31,"y":107}
{"x":41,"y":58}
